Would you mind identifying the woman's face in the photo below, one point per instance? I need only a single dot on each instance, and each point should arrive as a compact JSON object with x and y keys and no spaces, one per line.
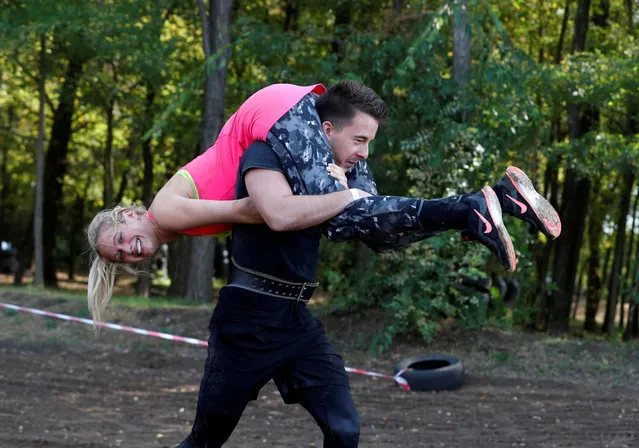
{"x":132,"y":241}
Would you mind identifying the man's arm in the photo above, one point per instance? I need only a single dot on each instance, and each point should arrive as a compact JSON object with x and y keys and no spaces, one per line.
{"x":282,"y":210}
{"x":175,"y":209}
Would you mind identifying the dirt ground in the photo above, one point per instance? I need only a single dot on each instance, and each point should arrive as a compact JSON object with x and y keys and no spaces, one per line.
{"x":61,"y":387}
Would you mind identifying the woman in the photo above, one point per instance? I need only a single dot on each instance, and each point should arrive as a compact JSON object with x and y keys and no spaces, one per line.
{"x":197,"y":200}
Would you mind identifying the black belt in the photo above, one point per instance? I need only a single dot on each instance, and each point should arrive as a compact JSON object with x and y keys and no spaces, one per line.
{"x":259,"y":282}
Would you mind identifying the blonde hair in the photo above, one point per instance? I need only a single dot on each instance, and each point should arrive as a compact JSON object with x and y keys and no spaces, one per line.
{"x":102,"y":272}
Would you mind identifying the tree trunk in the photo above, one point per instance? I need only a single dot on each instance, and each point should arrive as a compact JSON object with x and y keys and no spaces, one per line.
{"x":580,"y":287}
{"x":461,"y":51}
{"x":573,"y":216}
{"x":600,"y":15}
{"x":25,"y":249}
{"x":624,"y":208}
{"x":109,"y":173}
{"x":5,"y":179}
{"x":631,"y":246}
{"x":39,"y":199}
{"x":56,"y":165}
{"x":632,"y":329}
{"x":143,"y":283}
{"x":343,"y":16}
{"x":631,"y":131}
{"x":124,"y":182}
{"x":593,"y":291}
{"x":77,"y":227}
{"x":542,"y":262}
{"x":581,"y":26}
{"x":216,"y":36}
{"x":562,"y":33}
{"x":292,"y":16}
{"x":574,"y":207}
{"x":178,"y":266}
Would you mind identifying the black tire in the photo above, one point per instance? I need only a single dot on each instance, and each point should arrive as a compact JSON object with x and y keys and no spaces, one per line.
{"x":432,"y":372}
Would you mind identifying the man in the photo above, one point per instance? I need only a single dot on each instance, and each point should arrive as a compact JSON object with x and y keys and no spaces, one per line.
{"x":261,"y":328}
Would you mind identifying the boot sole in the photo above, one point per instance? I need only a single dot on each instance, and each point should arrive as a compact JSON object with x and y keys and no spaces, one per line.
{"x":494,"y":209}
{"x":545,"y":212}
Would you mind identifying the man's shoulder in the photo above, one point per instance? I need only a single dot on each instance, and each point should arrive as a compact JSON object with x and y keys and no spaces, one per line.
{"x":259,"y":154}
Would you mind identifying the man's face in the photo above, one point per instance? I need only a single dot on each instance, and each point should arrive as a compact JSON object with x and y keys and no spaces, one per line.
{"x":130,"y":242}
{"x":350,"y":144}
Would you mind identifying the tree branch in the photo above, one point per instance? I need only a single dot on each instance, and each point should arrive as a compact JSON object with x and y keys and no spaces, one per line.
{"x":205,"y":29}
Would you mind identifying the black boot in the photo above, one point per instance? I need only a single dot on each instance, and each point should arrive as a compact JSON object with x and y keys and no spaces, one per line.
{"x":486,"y":226}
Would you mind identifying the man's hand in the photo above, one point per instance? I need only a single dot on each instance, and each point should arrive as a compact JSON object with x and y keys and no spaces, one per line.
{"x":337,"y":173}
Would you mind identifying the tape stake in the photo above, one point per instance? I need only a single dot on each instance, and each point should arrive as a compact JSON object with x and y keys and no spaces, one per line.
{"x":397,"y":378}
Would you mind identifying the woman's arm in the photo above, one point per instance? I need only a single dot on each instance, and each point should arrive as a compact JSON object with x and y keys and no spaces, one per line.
{"x":174,"y":208}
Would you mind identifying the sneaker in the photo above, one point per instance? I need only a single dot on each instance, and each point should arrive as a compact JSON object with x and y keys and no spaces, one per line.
{"x":486,"y":226}
{"x":518,"y":198}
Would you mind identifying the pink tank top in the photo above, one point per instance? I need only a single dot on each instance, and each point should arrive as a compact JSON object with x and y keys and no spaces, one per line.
{"x":213,"y":174}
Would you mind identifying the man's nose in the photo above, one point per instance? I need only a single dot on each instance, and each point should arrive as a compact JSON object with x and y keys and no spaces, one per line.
{"x":363,"y":152}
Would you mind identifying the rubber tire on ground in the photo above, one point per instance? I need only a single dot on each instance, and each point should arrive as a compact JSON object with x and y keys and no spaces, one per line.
{"x":432,"y":372}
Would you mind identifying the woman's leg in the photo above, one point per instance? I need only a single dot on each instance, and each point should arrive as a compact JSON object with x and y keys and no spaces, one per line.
{"x":301,"y":145}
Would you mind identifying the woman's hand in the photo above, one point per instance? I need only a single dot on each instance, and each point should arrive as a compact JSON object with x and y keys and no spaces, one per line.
{"x":337,"y":173}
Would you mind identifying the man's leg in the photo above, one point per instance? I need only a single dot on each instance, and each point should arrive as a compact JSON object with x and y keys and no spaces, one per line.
{"x":316,"y":378}
{"x":227,"y":384}
{"x":333,"y":409}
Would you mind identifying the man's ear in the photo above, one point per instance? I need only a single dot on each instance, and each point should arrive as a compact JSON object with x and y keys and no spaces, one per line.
{"x":327,"y":126}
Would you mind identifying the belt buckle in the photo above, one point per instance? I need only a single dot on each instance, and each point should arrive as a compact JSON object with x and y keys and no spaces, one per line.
{"x":299,"y":296}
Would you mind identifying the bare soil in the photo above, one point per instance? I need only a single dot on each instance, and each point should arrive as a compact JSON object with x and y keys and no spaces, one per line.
{"x":61,"y":387}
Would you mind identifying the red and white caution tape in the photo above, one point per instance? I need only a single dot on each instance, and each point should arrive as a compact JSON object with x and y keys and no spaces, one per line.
{"x":107,"y":325}
{"x":397,"y":378}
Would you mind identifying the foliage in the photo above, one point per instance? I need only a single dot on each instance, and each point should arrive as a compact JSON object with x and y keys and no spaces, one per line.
{"x":440,"y":140}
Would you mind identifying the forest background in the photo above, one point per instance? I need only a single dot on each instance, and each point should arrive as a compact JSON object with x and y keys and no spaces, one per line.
{"x":102,"y":101}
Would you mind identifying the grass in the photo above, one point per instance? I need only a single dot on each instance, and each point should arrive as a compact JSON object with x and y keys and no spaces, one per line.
{"x":130,"y":301}
{"x":574,"y":357}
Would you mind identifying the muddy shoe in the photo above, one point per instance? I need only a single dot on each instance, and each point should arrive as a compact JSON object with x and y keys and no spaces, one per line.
{"x":486,"y":226}
{"x":518,"y":198}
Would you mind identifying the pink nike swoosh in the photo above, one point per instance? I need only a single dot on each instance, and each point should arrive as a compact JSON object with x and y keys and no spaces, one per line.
{"x":521,"y":205}
{"x":489,"y":227}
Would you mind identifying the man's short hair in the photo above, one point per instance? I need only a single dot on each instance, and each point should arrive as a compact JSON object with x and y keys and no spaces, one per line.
{"x":341,"y":101}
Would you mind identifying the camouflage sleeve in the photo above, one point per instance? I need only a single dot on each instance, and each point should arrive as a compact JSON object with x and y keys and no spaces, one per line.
{"x":374,"y":217}
{"x":360,"y":177}
{"x":396,"y":241}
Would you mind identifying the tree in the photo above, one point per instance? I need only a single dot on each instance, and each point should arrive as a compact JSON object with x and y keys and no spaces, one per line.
{"x":38,"y":215}
{"x":574,"y":203}
{"x":627,"y":180}
{"x":216,"y":36}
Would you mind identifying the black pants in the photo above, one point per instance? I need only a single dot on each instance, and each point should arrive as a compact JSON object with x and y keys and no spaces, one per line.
{"x":255,"y":339}
{"x":331,"y":407}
